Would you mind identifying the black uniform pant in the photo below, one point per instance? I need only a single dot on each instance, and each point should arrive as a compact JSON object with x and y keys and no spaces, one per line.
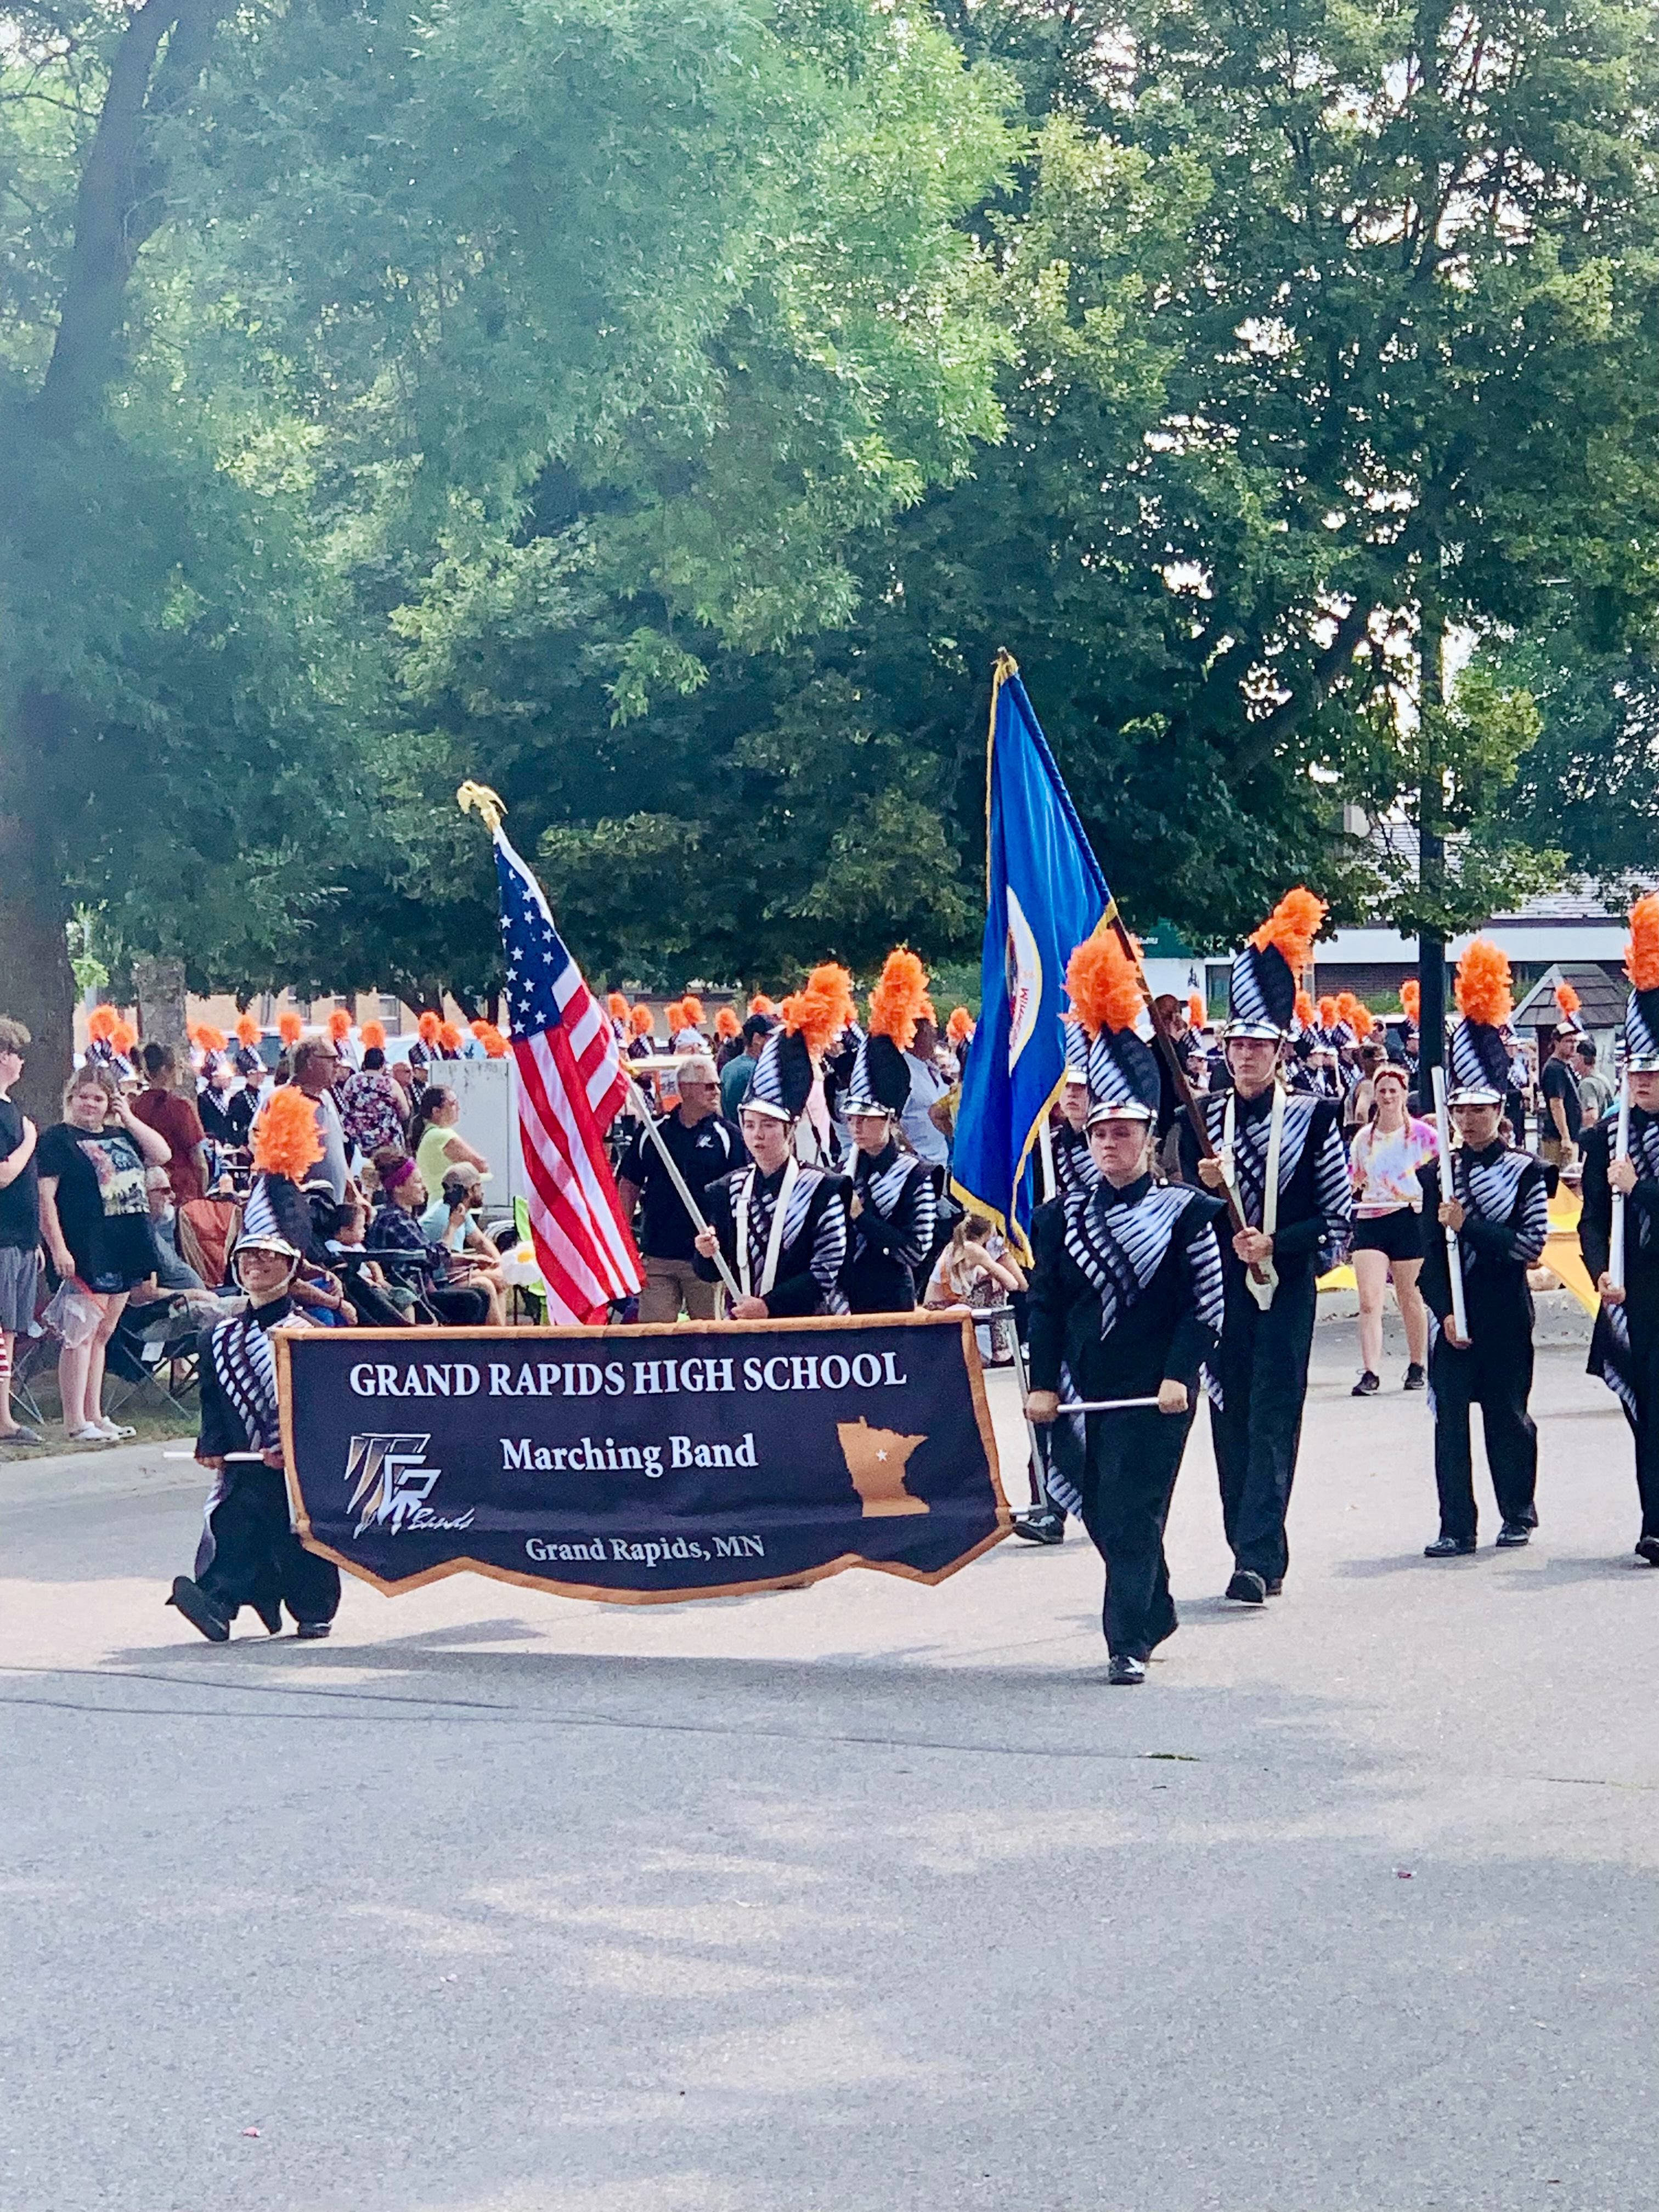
{"x":1495,"y":1374}
{"x":250,"y":1555}
{"x":1262,"y":1367}
{"x":1129,"y":1480}
{"x":1641,"y":1371}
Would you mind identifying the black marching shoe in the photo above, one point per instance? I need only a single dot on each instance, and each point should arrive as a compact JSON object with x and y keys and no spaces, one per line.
{"x":1647,"y":1548}
{"x":191,"y":1600}
{"x":271,"y":1615}
{"x":1367,"y":1386}
{"x":1415,"y":1377}
{"x":1247,"y":1588}
{"x":1512,"y":1536}
{"x":312,"y":1631}
{"x":1449,"y":1547}
{"x":1124,"y":1671}
{"x":1044,"y":1524}
{"x":1276,"y":1586}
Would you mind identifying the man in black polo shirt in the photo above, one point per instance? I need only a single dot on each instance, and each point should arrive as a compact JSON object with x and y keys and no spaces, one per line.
{"x":703,"y":1145}
{"x":1563,"y":1107}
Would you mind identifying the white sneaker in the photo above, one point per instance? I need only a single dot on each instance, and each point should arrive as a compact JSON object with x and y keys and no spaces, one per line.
{"x":111,"y":1431}
{"x":88,"y":1433}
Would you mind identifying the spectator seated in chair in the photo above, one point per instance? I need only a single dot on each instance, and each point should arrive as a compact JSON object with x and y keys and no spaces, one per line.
{"x":449,"y":1221}
{"x":398,"y":1242}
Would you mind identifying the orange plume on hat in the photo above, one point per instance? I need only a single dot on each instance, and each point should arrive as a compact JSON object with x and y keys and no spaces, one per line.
{"x":821,"y":1009}
{"x":427,"y":1027}
{"x":1566,"y":998}
{"x":1292,"y":926}
{"x":1304,"y":1009}
{"x":122,"y":1038}
{"x":1363,"y":1019}
{"x":339,"y":1024}
{"x":1642,"y":949}
{"x":285,"y":1139}
{"x":373,"y":1036}
{"x":1348,"y":1008}
{"x":674,"y":1015}
{"x":288,"y":1027}
{"x":248,"y":1031}
{"x":1411,"y":998}
{"x":449,"y":1036}
{"x":960,"y":1022}
{"x":1197,"y":1012}
{"x":897,"y":1002}
{"x":727,"y":1023}
{"x":100,"y":1023}
{"x":617,"y":1003}
{"x":208,"y":1038}
{"x":1104,"y":984}
{"x":1327,"y":1013}
{"x":640,"y":1021}
{"x":760,"y":1004}
{"x":1483,"y":984}
{"x":490,"y":1038}
{"x":693,"y":1009}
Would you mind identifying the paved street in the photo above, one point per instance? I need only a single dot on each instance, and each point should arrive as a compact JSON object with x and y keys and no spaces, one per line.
{"x":864,"y":1899}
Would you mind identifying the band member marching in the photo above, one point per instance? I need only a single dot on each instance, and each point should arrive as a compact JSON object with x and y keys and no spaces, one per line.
{"x":1281,"y":1157}
{"x":779,"y":1224}
{"x":249,"y":1554}
{"x":1621,"y":1158}
{"x":893,"y":1207}
{"x":1126,"y":1302}
{"x":1493,"y":1198}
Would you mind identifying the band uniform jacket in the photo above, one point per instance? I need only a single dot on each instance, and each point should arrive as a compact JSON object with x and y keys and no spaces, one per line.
{"x":1316,"y":1207}
{"x":890,"y":1237}
{"x":813,"y":1251}
{"x":1126,"y":1288}
{"x":1505,"y":1222}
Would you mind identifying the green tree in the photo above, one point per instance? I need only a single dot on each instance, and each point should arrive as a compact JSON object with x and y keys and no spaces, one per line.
{"x":334,"y":314}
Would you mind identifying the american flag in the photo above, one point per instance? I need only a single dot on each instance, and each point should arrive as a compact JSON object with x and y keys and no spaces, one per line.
{"x":570,"y":1086}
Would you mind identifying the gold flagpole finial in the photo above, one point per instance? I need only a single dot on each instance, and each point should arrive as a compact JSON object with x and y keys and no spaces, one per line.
{"x":489,"y":807}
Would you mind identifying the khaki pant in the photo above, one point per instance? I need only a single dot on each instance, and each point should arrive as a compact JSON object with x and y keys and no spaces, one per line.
{"x":669,"y":1281}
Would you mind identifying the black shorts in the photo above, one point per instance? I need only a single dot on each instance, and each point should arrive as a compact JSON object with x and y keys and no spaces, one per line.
{"x":1399,"y":1234}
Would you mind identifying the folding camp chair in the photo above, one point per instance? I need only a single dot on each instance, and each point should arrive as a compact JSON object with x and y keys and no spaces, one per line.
{"x":206,"y":1231}
{"x":141,"y":1353}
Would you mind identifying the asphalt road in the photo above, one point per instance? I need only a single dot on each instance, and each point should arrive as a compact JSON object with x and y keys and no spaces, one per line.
{"x":861,"y":1898}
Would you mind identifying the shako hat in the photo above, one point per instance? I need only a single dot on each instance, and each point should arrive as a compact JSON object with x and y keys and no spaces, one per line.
{"x":1261,"y":992}
{"x":813,"y":1017}
{"x":880,"y":1080}
{"x":1642,"y":966}
{"x":1105,"y":989}
{"x":1478,"y":1059}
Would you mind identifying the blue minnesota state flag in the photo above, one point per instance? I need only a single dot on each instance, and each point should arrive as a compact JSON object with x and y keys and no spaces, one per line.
{"x":1045,"y":895}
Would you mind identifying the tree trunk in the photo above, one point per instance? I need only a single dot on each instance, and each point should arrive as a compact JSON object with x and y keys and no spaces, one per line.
{"x":37,"y":984}
{"x":160,"y":984}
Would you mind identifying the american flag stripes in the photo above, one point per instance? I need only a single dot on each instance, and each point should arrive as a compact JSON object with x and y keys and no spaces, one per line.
{"x":570,"y":1086}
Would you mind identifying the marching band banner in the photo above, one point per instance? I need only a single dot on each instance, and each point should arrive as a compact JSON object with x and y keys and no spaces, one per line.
{"x":640,"y":1466}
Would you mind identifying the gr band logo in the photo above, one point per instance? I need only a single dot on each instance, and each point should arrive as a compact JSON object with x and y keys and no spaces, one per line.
{"x":392,"y":1484}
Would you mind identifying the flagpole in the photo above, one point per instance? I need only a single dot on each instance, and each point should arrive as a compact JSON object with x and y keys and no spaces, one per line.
{"x":480,"y":798}
{"x":641,"y":1106}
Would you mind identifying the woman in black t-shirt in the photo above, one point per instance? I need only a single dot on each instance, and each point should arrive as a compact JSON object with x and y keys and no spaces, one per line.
{"x":94,"y":1221}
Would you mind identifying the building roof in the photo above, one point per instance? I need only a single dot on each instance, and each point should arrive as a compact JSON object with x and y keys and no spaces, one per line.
{"x":1580,"y":898}
{"x":1601,"y":997}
